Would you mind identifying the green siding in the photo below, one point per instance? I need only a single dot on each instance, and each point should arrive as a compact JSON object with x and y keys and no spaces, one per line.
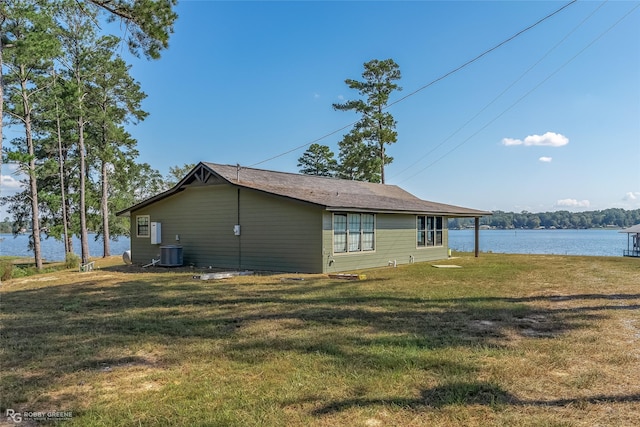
{"x":395,"y":242}
{"x":280,"y":234}
{"x":276,"y":234}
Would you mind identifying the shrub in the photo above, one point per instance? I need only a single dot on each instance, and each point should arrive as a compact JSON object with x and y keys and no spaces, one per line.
{"x":23,"y":271}
{"x":71,"y":260}
{"x":6,"y":270}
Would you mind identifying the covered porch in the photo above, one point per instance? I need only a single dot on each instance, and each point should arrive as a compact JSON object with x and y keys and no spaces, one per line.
{"x":633,"y":241}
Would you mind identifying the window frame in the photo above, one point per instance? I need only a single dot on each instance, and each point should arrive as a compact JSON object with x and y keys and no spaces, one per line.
{"x":148,"y":225}
{"x":365,"y":234}
{"x":343,"y":241}
{"x":429,"y":231}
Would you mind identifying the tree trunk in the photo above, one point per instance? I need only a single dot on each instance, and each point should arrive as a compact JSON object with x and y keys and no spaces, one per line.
{"x":382,"y":162}
{"x":65,"y":221}
{"x":105,"y":212}
{"x":84,"y":236}
{"x":2,"y":19}
{"x":381,"y":144}
{"x":69,"y":236}
{"x":1,"y":95}
{"x":33,"y":185}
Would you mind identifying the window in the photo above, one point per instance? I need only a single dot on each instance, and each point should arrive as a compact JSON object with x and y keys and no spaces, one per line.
{"x":339,"y":233}
{"x":353,"y":232}
{"x":368,"y":232}
{"x":422,"y":231}
{"x":142,"y":226}
{"x":429,"y":230}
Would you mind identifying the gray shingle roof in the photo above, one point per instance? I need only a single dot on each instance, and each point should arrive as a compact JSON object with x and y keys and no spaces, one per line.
{"x":331,"y":193}
{"x":334,"y":193}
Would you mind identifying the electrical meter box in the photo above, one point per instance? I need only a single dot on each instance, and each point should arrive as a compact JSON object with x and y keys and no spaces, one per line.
{"x":156,"y":233}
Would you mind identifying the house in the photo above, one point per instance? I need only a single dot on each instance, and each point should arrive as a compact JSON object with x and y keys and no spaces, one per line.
{"x":633,"y":235}
{"x":236,"y":217}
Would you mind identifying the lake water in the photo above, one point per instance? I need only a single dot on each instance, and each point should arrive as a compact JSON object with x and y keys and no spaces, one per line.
{"x":597,"y":242}
{"x":559,"y":242}
{"x":53,"y":250}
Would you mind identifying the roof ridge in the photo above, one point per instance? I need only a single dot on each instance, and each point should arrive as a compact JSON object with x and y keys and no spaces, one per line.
{"x":297,"y":174}
{"x":342,"y":194}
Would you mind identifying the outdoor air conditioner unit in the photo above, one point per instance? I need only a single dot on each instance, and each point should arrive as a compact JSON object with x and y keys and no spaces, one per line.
{"x":171,"y":256}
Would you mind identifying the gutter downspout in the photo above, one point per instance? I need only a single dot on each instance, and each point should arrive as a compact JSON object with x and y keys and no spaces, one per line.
{"x":239,"y":236}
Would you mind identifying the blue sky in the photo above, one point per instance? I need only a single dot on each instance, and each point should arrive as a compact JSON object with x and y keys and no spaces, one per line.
{"x":548,"y":121}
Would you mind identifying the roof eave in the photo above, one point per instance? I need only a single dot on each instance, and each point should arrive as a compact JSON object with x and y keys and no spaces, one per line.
{"x":173,"y":190}
{"x":409,"y":211}
{"x":150,"y":200}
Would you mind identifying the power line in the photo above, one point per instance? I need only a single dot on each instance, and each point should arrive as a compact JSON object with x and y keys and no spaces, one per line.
{"x":486,"y":52}
{"x":501,"y":93}
{"x":525,"y":95}
{"x":304,"y":145}
{"x":455,"y":70}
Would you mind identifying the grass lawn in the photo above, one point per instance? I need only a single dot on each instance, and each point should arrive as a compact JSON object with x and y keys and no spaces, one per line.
{"x":506,"y":340}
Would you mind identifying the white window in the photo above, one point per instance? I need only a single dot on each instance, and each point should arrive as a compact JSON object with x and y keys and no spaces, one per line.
{"x":142,"y":226}
{"x":368,"y":232}
{"x":353,"y":232}
{"x":339,"y":233}
{"x":429,"y":230}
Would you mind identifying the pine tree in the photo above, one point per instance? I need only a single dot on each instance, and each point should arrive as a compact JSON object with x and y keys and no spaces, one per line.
{"x":376,"y":127}
{"x":33,"y":48}
{"x":114,"y":99}
{"x":318,"y":160}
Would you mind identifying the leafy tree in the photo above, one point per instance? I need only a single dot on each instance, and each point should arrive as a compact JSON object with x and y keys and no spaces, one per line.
{"x":5,"y":226}
{"x":533,"y":221}
{"x":62,"y":156}
{"x":117,"y":188}
{"x":376,"y":127}
{"x":58,"y":178}
{"x":115,"y":99}
{"x":34,"y":47}
{"x":358,"y":160}
{"x":145,"y":180}
{"x":81,"y":68}
{"x":614,"y":217}
{"x":176,"y":173}
{"x":318,"y":160}
{"x":149,"y":23}
{"x":77,"y":154}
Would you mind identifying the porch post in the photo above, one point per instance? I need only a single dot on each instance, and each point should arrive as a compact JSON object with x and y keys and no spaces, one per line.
{"x":477,"y":236}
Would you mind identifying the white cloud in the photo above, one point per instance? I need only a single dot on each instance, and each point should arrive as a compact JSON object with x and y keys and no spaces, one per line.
{"x":316,"y":95}
{"x":631,"y":195}
{"x":10,"y":181}
{"x":549,"y":139}
{"x":545,"y":159}
{"x":573,"y":203}
{"x":9,"y":184}
{"x":341,"y":97}
{"x":511,"y":141}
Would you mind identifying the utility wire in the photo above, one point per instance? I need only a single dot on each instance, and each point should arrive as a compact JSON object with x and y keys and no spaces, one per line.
{"x":486,"y":52}
{"x":525,"y":95}
{"x":455,"y":70}
{"x":501,"y":93}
